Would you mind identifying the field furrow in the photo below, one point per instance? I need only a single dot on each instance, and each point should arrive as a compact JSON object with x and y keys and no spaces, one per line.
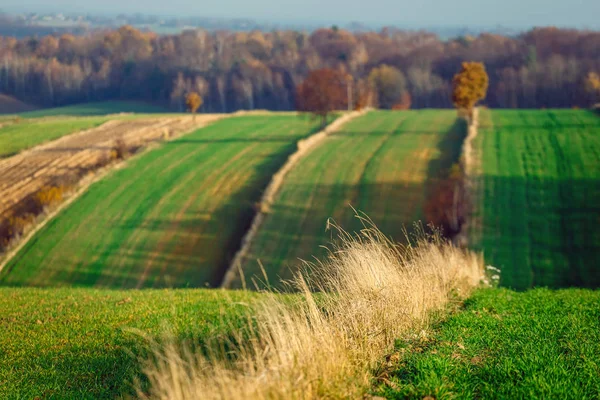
{"x":537,"y":203}
{"x":23,"y":175}
{"x":172,"y":217}
{"x":380,"y":163}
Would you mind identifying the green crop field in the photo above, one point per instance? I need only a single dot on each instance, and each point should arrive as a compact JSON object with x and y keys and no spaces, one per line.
{"x":82,"y":343}
{"x":23,"y":134}
{"x":380,"y":164}
{"x":96,"y":109}
{"x":171,"y":218}
{"x":537,"y":208}
{"x":540,"y":344}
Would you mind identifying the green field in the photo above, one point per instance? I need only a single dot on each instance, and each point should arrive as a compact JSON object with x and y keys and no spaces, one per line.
{"x":537,"y":208}
{"x":81,"y":343}
{"x":24,"y":134}
{"x":171,"y":218}
{"x":96,"y":109}
{"x":540,"y":344}
{"x":380,"y":164}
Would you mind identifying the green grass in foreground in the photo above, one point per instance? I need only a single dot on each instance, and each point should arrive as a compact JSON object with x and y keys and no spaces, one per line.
{"x":81,"y":343}
{"x":172,"y":217}
{"x":95,"y":109}
{"x":539,"y":344}
{"x":19,"y":136}
{"x":537,"y":208}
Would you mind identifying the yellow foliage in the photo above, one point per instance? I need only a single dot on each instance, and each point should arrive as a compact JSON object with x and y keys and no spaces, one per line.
{"x":193,"y":101}
{"x":470,"y":85}
{"x":49,"y":195}
{"x":592,"y":82}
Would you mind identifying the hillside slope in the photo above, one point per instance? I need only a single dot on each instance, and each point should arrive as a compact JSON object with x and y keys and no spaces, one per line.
{"x":172,"y":217}
{"x":380,"y":164}
{"x":537,"y":203}
{"x":10,"y":105}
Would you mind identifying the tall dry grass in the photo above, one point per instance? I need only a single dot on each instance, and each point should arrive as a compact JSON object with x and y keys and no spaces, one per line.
{"x":351,"y":309}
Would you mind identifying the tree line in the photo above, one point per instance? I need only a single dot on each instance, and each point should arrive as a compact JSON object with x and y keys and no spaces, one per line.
{"x":544,"y":67}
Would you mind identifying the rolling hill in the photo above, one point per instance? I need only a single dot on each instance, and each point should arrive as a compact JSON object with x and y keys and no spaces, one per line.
{"x":171,"y":218}
{"x":381,"y":164}
{"x":10,"y":105}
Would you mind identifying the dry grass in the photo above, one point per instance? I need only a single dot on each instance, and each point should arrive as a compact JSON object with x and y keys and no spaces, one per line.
{"x":305,"y":146}
{"x":354,"y":305}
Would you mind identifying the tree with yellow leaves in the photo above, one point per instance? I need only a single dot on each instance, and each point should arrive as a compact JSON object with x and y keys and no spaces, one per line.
{"x":193,"y":101}
{"x":592,"y":85}
{"x":469,"y":86}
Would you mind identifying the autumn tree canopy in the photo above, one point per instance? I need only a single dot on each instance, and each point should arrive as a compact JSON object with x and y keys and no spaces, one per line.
{"x":592,"y":85}
{"x":389,"y":84}
{"x":469,"y":86}
{"x":545,"y":67}
{"x":323,"y":91}
{"x":193,"y":101}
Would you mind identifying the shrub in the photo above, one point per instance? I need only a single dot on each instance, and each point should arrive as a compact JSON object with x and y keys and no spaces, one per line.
{"x":49,"y":195}
{"x":448,"y":202}
{"x":13,"y":227}
{"x":120,"y":151}
{"x":18,"y":224}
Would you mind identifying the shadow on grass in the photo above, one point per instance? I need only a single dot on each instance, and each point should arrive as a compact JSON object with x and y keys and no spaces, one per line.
{"x":206,"y":241}
{"x":542,"y":232}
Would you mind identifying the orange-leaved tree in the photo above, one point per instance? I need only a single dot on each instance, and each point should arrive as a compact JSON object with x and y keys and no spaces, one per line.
{"x":469,"y":86}
{"x":323,"y":91}
{"x":193,"y":101}
{"x":592,"y":85}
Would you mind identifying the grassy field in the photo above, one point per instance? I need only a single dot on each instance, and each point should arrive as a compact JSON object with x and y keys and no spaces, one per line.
{"x":82,"y":344}
{"x":96,"y":109}
{"x":537,"y":208}
{"x":171,"y":218}
{"x":380,"y":164}
{"x":18,"y":136}
{"x":539,"y":344}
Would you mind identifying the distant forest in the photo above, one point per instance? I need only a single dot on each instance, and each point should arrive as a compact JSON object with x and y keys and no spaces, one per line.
{"x":544,"y":67}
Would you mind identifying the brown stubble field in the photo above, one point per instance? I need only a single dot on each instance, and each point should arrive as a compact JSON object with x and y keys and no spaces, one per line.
{"x":72,"y":156}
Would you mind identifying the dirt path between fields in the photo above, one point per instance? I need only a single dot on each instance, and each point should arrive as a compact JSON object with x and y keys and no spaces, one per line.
{"x":470,"y":163}
{"x":305,"y":146}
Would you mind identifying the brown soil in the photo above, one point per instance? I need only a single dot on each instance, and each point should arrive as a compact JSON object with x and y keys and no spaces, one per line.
{"x":10,"y":105}
{"x":69,"y":158}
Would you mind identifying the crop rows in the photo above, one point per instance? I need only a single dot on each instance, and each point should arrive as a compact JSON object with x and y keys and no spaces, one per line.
{"x":380,"y":164}
{"x":171,"y":217}
{"x":26,"y":173}
{"x":537,"y":208}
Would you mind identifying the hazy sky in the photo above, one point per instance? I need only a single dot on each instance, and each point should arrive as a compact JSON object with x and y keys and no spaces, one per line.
{"x":522,"y":13}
